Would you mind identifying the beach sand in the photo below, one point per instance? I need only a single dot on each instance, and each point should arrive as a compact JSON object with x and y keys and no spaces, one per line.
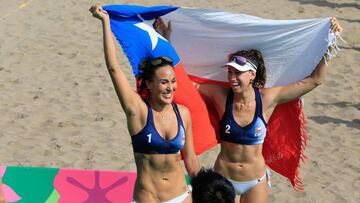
{"x":58,"y":107}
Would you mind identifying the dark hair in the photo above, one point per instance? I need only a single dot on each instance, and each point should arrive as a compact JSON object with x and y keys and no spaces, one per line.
{"x":211,"y":187}
{"x":257,"y":59}
{"x":147,"y":69}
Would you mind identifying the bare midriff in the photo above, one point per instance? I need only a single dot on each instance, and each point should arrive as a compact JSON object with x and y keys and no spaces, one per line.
{"x":160,"y":177}
{"x":240,"y":162}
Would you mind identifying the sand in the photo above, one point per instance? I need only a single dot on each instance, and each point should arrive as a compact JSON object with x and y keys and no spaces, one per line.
{"x":58,"y":107}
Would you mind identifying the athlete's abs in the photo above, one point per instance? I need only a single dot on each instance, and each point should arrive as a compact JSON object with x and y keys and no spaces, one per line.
{"x":159,"y":176}
{"x":240,"y":162}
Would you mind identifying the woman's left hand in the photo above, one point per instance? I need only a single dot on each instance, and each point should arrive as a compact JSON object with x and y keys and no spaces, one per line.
{"x":335,"y":26}
{"x":163,"y":29}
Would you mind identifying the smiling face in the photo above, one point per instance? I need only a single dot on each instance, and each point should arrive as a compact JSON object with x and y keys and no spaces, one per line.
{"x":163,"y":85}
{"x":240,"y":80}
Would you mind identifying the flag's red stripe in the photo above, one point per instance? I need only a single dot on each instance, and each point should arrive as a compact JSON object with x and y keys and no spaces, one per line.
{"x":207,"y":81}
{"x":204,"y":134}
{"x":285,"y":141}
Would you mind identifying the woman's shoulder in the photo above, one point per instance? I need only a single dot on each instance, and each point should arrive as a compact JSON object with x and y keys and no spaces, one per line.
{"x":264,"y":91}
{"x":183,"y":109}
{"x":184,"y":113}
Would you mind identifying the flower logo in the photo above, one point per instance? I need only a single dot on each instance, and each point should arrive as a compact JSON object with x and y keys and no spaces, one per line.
{"x":92,"y":186}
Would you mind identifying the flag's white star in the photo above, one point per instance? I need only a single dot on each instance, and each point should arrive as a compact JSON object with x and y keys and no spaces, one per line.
{"x":154,"y":36}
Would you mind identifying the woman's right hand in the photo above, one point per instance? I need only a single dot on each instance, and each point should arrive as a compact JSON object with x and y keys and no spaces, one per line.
{"x":98,"y":12}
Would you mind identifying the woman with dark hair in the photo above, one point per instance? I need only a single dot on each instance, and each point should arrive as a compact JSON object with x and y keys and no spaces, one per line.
{"x":159,"y":128}
{"x":211,"y":187}
{"x":244,"y":109}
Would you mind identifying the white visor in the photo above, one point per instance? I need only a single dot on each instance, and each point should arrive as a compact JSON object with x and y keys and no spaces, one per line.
{"x":248,"y":66}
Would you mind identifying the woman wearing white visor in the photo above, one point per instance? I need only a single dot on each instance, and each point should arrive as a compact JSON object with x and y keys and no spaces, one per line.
{"x":244,"y":109}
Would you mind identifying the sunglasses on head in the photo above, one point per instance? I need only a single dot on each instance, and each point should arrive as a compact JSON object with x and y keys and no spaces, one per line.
{"x":162,"y":60}
{"x":242,"y":61}
{"x":155,"y":62}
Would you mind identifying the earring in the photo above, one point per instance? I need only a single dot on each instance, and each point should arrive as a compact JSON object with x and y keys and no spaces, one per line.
{"x":251,"y":81}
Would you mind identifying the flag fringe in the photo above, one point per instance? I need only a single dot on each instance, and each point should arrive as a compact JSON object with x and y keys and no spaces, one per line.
{"x":298,"y":184}
{"x":334,"y":42}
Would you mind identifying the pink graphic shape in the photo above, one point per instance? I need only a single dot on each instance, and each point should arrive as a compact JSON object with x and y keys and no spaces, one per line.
{"x":91,"y":186}
{"x":9,"y":194}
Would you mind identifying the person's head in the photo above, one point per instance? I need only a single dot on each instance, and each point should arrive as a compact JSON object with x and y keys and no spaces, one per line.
{"x":211,"y":187}
{"x":158,"y":78}
{"x":246,"y":69}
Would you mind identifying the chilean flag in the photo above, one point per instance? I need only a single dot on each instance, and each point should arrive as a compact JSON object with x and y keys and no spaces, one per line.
{"x":203,"y":39}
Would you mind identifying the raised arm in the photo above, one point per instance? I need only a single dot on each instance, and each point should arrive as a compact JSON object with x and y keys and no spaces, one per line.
{"x":297,"y":89}
{"x":191,"y":161}
{"x":130,"y":101}
{"x":283,"y":94}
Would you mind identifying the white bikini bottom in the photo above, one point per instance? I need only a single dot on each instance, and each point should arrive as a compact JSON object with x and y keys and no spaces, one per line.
{"x":177,"y":199}
{"x":243,"y":186}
